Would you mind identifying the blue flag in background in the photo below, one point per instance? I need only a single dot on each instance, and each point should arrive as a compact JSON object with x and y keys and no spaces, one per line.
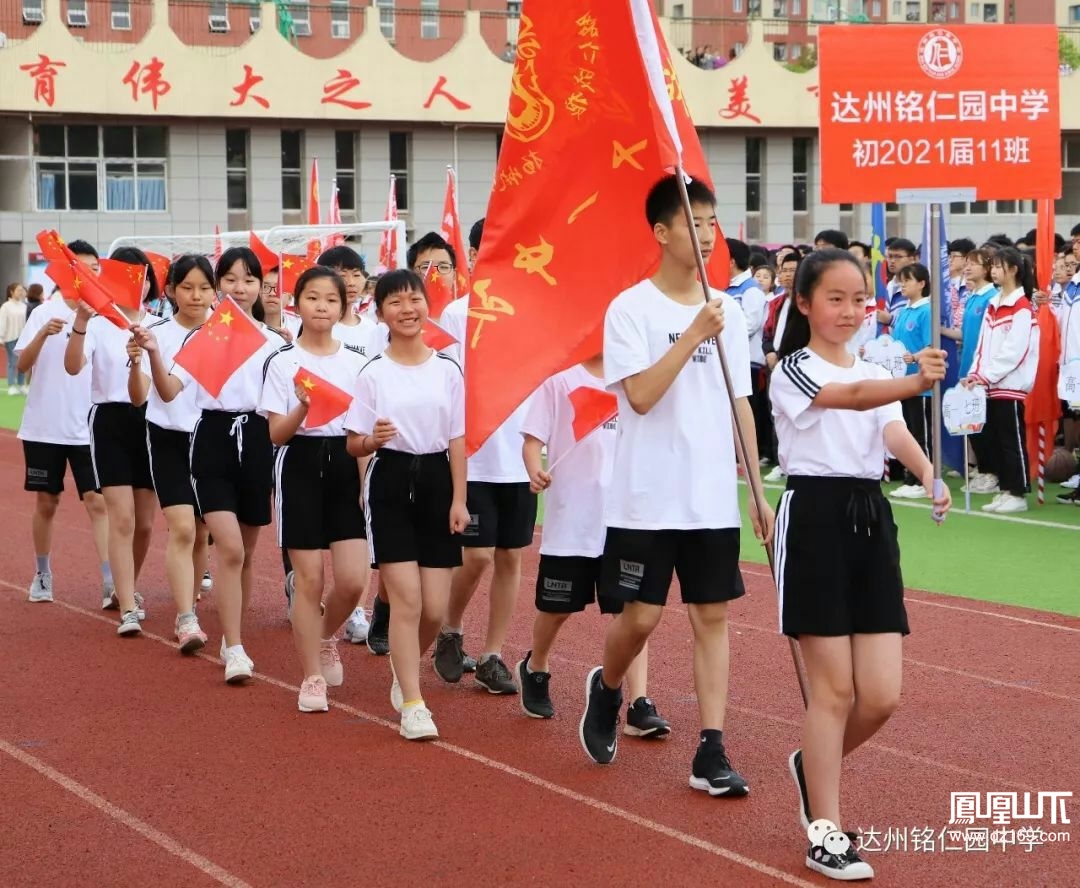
{"x":952,"y":446}
{"x":878,"y":267}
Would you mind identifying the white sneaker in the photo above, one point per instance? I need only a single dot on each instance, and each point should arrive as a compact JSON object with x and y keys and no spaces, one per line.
{"x":910,"y":491}
{"x":238,"y":667}
{"x":775,"y":476}
{"x":357,"y":626}
{"x":1072,"y":484}
{"x":41,"y":588}
{"x":397,"y":699}
{"x":1009,"y":504}
{"x":129,"y":624}
{"x":992,"y":506}
{"x":25,"y":389}
{"x":207,"y":581}
{"x":109,"y":601}
{"x":330,"y":663}
{"x":13,"y":390}
{"x":985,"y":484}
{"x":140,"y":607}
{"x":416,"y":724}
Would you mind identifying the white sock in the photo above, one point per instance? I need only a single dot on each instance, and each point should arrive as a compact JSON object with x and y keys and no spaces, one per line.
{"x":235,"y":649}
{"x":456,"y":630}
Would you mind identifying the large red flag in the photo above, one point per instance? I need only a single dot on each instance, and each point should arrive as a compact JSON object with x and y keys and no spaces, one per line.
{"x":326,"y":402}
{"x":314,"y":245}
{"x":388,"y":244}
{"x":75,"y":280}
{"x":451,"y":230}
{"x":1044,"y":244}
{"x":220,"y":346}
{"x":334,"y":218}
{"x":596,"y":118}
{"x":123,"y":281}
{"x":1042,"y":407}
{"x":218,"y":249}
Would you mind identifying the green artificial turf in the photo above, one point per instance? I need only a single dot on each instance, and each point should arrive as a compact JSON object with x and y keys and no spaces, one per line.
{"x":11,"y":408}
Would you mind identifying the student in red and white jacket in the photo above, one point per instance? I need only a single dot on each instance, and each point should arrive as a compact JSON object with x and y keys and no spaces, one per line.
{"x":1006,"y":360}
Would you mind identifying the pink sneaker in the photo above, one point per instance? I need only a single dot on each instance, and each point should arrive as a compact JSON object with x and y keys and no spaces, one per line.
{"x":190,"y":635}
{"x":330,"y":663}
{"x":313,"y":695}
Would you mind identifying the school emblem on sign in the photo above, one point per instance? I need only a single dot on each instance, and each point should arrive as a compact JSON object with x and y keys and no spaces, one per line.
{"x":940,"y":54}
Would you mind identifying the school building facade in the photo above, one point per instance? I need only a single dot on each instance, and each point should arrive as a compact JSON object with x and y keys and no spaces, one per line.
{"x":161,"y":117}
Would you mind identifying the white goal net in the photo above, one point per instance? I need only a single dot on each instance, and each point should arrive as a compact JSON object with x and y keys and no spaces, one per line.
{"x":364,"y":237}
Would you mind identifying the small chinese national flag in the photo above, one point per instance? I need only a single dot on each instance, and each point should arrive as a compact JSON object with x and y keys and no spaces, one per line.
{"x":220,"y":346}
{"x":75,"y":280}
{"x":123,"y":281}
{"x":161,"y":265}
{"x":268,"y":259}
{"x":436,"y":337}
{"x":292,"y":266}
{"x":326,"y":402}
{"x":592,"y":408}
{"x":439,"y":292}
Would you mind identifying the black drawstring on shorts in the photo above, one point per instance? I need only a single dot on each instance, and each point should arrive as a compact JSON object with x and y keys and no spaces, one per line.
{"x":862,"y":510}
{"x":414,"y":473}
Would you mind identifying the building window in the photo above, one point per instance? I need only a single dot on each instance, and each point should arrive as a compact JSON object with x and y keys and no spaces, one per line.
{"x":236,"y":168}
{"x":976,"y":208}
{"x":796,"y":50}
{"x":400,"y":155}
{"x":117,"y":168}
{"x":779,"y":52}
{"x":77,"y":14}
{"x":429,"y":19}
{"x":796,"y":7}
{"x":1069,"y":204}
{"x":678,"y":11}
{"x":755,"y":151}
{"x":345,"y":161}
{"x":897,"y":8}
{"x":779,"y":8}
{"x":954,"y":10}
{"x":736,"y":6}
{"x":875,"y":8}
{"x":937,"y":12}
{"x":120,"y":14}
{"x":990,"y":12}
{"x":339,"y":19}
{"x":800,"y":180}
{"x":973,"y":11}
{"x":386,"y":18}
{"x":1074,"y":15}
{"x":291,"y":192}
{"x":914,"y":13}
{"x":33,"y":12}
{"x":1014,"y":207}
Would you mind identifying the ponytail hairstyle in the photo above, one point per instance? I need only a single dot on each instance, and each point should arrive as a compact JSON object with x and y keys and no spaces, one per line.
{"x":182,"y":267}
{"x":811,"y":270}
{"x":1010,"y":257}
{"x":251,"y":265}
{"x":916,"y":272}
{"x":135,"y":256}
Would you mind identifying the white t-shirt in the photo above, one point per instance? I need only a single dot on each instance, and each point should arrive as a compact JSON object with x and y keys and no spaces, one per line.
{"x":574,"y":503}
{"x":58,"y":406}
{"x":180,"y":414}
{"x":674,"y":466}
{"x":498,"y":461}
{"x":821,"y":441}
{"x":242,"y":390}
{"x":425,"y":402}
{"x":369,"y":337}
{"x":279,"y":391}
{"x":105,"y":348}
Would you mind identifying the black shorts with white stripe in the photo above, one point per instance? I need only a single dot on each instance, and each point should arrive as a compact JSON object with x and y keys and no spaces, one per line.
{"x":317,"y":493}
{"x":837,"y":559}
{"x":232,"y":465}
{"x":118,"y":446}
{"x":170,"y":465}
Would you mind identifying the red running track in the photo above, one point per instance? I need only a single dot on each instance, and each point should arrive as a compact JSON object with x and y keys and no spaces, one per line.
{"x":124,"y":763}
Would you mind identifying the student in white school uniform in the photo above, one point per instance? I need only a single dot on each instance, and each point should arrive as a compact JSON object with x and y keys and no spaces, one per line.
{"x":190,"y":291}
{"x":232,"y":459}
{"x":572,"y":544}
{"x":408,"y":413}
{"x":118,"y":439}
{"x":502,"y":514}
{"x":55,"y":434}
{"x":317,"y":483}
{"x":1005,"y":364}
{"x":1068,"y":315}
{"x":273,"y":302}
{"x":841,"y":593}
{"x":674,"y":412}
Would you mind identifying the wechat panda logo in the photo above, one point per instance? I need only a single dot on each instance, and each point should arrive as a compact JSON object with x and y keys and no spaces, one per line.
{"x":940,"y":54}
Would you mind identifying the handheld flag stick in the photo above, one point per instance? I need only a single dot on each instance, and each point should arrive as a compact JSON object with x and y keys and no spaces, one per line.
{"x":937,"y":286}
{"x":752,"y":481}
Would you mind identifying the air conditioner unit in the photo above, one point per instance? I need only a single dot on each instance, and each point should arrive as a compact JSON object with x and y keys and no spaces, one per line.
{"x":301,"y":28}
{"x":33,"y":15}
{"x":121,"y":21}
{"x":78,"y":18}
{"x":339,"y":30}
{"x":254,"y":23}
{"x":219,"y":24}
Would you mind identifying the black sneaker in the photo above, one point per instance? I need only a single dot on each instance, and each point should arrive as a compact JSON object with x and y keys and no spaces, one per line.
{"x":468,"y":664}
{"x":712,"y":772}
{"x":599,"y":727}
{"x":1069,"y":499}
{"x":535,"y":700}
{"x":842,"y":865}
{"x":378,"y":638}
{"x":795,"y":767}
{"x":290,"y":591}
{"x":642,"y":720}
{"x":448,"y":656}
{"x":493,"y":675}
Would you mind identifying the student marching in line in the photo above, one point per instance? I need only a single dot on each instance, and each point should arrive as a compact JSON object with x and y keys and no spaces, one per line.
{"x":1006,"y":361}
{"x":573,"y":538}
{"x":118,"y":439}
{"x":674,"y":412}
{"x":55,"y":434}
{"x":409,"y":414}
{"x":317,"y":482}
{"x":980,"y":291}
{"x":231,"y":455}
{"x":169,"y":426}
{"x":841,"y":593}
{"x":912,"y":329}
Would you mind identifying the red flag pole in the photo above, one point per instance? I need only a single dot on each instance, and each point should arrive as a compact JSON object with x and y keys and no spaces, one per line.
{"x":756,"y":491}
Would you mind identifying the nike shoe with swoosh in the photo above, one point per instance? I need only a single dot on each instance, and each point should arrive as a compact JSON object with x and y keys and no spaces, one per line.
{"x":599,"y":727}
{"x":712,"y":772}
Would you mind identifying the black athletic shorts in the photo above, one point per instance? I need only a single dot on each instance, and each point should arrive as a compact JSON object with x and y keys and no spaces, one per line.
{"x":317,"y":493}
{"x":502,"y":516}
{"x":837,"y":559}
{"x":170,"y":465}
{"x":232,"y":465}
{"x":118,"y":446}
{"x":639,"y":565}
{"x":567,"y":584}
{"x":407,"y":499}
{"x":46,"y":464}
